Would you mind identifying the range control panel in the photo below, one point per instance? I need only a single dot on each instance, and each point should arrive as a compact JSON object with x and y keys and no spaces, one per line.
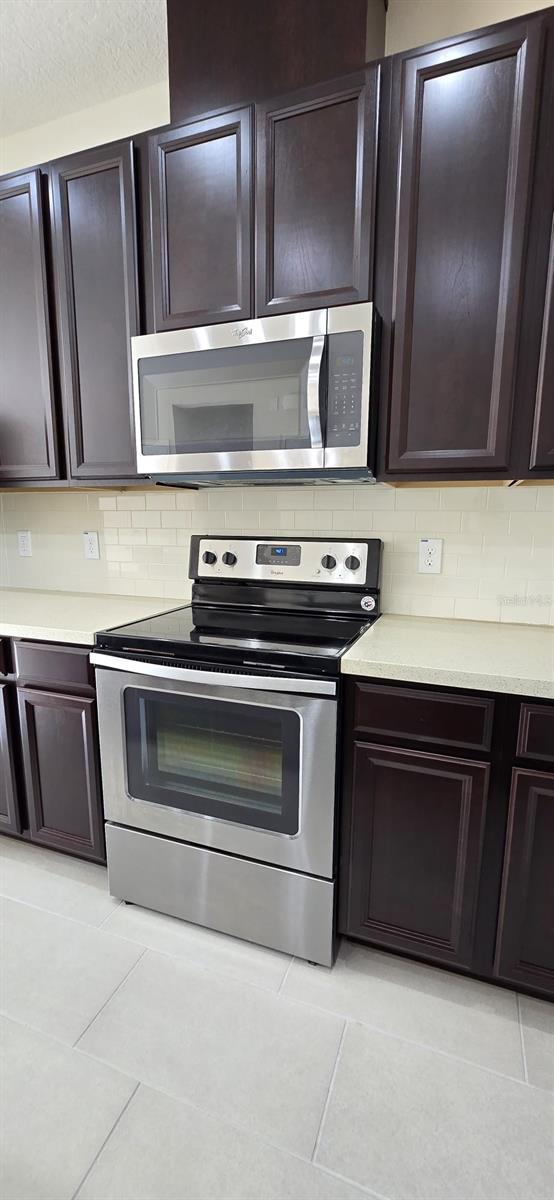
{"x":288,"y":560}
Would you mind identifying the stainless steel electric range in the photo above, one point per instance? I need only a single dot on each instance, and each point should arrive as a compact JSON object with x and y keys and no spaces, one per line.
{"x":218,"y":738}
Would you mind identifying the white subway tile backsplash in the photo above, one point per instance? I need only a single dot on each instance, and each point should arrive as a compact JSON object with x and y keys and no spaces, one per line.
{"x":498,"y":543}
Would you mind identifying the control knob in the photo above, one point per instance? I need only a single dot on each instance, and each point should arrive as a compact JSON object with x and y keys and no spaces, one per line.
{"x":209,"y":557}
{"x":229,"y":559}
{"x":352,"y":562}
{"x":328,"y":562}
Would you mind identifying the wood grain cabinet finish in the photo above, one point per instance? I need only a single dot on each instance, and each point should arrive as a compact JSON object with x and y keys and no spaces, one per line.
{"x":315,"y":185}
{"x":464,"y":118}
{"x":414,"y":851}
{"x":432,"y":717}
{"x":63,"y":668}
{"x":92,"y":197}
{"x":10,"y":818}
{"x":28,"y":449}
{"x":525,"y":945}
{"x":201,"y":200}
{"x":62,"y":781}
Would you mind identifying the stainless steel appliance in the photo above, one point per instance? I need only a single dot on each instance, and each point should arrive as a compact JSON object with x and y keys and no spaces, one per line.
{"x":286,"y":396}
{"x":218,"y":738}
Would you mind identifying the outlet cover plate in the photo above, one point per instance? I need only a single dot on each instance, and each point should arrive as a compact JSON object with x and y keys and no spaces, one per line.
{"x":430,"y":556}
{"x":24,"y":543}
{"x":90,"y":543}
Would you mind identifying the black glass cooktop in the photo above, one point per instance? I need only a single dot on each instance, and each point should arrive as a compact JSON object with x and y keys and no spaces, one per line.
{"x":283,"y":640}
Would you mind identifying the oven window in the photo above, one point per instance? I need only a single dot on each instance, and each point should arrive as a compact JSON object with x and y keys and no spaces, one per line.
{"x":238,"y":762}
{"x":220,"y":401}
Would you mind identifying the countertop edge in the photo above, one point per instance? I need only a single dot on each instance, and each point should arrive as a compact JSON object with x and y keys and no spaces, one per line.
{"x":539,"y":688}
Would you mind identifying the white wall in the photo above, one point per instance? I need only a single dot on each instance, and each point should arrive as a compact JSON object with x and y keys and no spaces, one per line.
{"x":117,"y":118}
{"x":414,"y":22}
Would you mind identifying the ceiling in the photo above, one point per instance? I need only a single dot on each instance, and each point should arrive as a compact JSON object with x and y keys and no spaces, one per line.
{"x":59,"y":56}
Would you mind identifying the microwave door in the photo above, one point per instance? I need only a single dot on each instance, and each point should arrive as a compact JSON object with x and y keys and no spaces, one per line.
{"x":214,"y":405}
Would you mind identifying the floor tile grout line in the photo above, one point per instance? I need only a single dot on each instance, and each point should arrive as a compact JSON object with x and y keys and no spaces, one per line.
{"x":50,"y":912}
{"x":521,"y":1038}
{"x":128,"y":973}
{"x":285,"y":977}
{"x":329,"y":1091}
{"x":105,"y":1142}
{"x":109,"y":916}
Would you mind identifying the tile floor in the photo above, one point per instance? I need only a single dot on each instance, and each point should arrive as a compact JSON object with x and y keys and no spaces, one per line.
{"x":146,"y":1059}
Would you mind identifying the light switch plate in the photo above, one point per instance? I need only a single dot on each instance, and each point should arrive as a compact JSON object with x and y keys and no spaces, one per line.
{"x":90,"y":542}
{"x":430,"y":556}
{"x":24,"y":543}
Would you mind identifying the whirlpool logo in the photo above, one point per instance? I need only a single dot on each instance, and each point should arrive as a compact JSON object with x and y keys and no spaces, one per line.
{"x":241,"y":332}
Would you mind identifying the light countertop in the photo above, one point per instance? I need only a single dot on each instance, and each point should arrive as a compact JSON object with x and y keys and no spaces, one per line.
{"x":72,"y":617}
{"x":467,"y":654}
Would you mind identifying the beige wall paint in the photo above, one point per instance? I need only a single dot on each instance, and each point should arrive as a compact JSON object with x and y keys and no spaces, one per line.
{"x":414,"y":22}
{"x":117,"y":118}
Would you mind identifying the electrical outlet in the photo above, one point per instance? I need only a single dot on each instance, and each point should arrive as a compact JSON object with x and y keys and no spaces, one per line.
{"x":430,"y":556}
{"x":24,"y":543}
{"x":90,"y":542}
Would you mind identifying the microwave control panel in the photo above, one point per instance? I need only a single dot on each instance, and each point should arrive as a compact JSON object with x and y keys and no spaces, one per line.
{"x":344,"y":397}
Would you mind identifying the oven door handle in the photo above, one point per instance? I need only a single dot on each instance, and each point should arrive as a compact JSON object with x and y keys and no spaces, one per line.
{"x":313,"y":391}
{"x":262,"y":683}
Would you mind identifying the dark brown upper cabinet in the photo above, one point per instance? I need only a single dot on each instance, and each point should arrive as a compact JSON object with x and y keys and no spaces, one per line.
{"x":201,"y":213}
{"x":28,"y":449}
{"x":542,"y":444}
{"x":315,"y":184}
{"x":92,"y":196}
{"x":525,"y":945}
{"x":465,"y":149}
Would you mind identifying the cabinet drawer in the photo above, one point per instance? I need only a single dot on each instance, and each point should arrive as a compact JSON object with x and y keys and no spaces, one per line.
{"x":535,"y":737}
{"x":4,"y":656}
{"x":63,"y":668}
{"x":410,"y":714}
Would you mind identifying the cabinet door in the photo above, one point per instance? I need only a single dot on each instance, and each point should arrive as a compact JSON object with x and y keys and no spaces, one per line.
{"x":27,"y":419}
{"x":411,"y":862}
{"x":60,"y":757}
{"x":94,"y":245}
{"x":466,"y":128}
{"x":315,"y":181}
{"x":525,"y":943}
{"x":9,"y":810}
{"x":542,"y":444}
{"x":200,"y":189}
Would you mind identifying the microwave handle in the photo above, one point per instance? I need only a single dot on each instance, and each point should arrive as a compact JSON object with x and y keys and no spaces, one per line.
{"x":313,"y":391}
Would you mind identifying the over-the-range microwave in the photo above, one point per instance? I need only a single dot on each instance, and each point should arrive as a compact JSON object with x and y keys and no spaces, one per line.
{"x":287,"y":397}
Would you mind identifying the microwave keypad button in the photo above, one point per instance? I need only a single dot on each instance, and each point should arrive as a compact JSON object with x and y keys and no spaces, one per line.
{"x":209,"y":557}
{"x":229,"y":559}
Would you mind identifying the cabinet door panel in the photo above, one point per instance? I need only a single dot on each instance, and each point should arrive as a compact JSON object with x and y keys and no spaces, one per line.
{"x":525,"y":944}
{"x":27,"y":418}
{"x":412,"y":863}
{"x":467,"y":133}
{"x":62,"y":779}
{"x":94,"y":242}
{"x":315,"y":196}
{"x":9,"y":809}
{"x":200,"y":186}
{"x":542,"y":445}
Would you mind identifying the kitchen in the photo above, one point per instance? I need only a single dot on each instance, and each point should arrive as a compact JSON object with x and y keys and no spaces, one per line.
{"x":276,"y":616}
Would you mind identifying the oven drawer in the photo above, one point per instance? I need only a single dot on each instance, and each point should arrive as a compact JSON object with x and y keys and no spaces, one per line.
{"x":248,"y":772}
{"x":61,"y":668}
{"x":430,"y":717}
{"x":263,"y":904}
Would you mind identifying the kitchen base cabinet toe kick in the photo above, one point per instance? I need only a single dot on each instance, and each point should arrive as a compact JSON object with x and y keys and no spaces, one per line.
{"x":447,"y":840}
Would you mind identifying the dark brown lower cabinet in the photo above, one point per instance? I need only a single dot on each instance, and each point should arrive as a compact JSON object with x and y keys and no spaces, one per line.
{"x":525,"y":944}
{"x":62,"y":780}
{"x":416,"y":836}
{"x":10,"y":820}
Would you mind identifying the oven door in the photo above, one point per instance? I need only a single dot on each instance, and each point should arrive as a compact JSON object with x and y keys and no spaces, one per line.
{"x":231,"y":397}
{"x":237,"y":768}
